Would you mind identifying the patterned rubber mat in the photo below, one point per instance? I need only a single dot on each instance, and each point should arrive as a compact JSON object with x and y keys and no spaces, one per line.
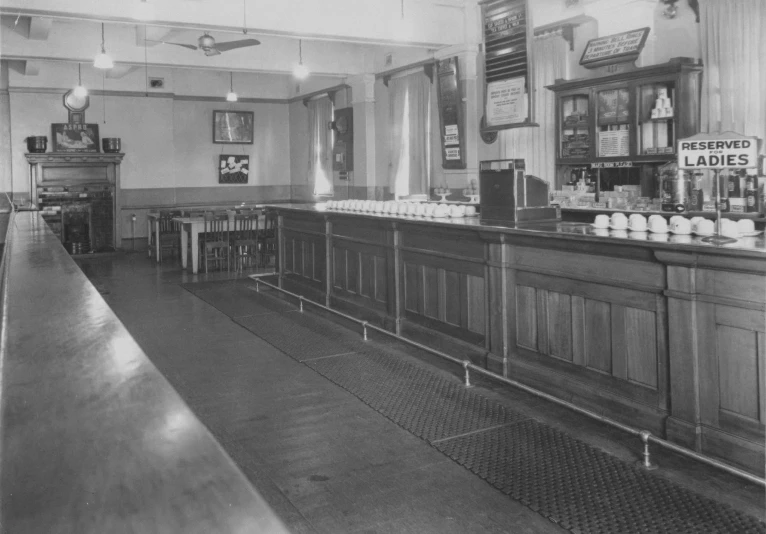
{"x":575,"y":485}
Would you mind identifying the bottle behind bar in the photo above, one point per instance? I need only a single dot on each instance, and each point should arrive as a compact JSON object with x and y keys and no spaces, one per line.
{"x":751,"y":192}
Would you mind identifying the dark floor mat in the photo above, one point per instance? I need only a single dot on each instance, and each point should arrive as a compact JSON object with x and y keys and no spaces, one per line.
{"x":570,"y":482}
{"x":237,"y":299}
{"x":429,"y":405}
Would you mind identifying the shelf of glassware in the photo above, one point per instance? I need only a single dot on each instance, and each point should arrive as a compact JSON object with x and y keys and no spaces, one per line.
{"x":656,"y":119}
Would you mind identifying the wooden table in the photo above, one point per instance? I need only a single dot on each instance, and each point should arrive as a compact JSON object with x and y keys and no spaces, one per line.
{"x":191,"y":228}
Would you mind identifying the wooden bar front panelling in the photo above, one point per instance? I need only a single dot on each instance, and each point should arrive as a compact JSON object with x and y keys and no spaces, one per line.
{"x":666,"y":339}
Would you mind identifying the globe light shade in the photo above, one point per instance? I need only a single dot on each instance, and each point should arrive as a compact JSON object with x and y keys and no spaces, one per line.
{"x":80,"y":91}
{"x":143,"y":11}
{"x":301,"y":72}
{"x":103,"y":61}
{"x":231,"y":97}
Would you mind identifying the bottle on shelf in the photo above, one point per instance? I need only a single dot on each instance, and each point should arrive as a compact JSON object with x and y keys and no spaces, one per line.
{"x":751,"y":192}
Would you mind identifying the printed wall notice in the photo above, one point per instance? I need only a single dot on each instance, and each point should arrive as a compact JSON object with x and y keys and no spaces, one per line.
{"x":723,"y":151}
{"x":450,"y":113}
{"x":614,"y":143}
{"x":616,"y":48}
{"x":452,"y":153}
{"x":506,"y":102}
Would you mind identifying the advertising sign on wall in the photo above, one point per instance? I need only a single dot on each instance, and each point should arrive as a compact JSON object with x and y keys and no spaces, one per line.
{"x":450,"y":113}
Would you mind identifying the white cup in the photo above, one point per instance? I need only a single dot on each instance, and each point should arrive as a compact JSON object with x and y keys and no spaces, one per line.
{"x":470,"y":211}
{"x":602,"y":221}
{"x":442,"y":210}
{"x":420,"y":210}
{"x":729,"y":228}
{"x":658,"y":225}
{"x":695,"y":221}
{"x":681,"y":225}
{"x":619,"y":221}
{"x":412,"y":208}
{"x":430,"y":207}
{"x":454,"y":211}
{"x":705,"y":227}
{"x":637,"y":223}
{"x":745,"y":226}
{"x":402,"y":208}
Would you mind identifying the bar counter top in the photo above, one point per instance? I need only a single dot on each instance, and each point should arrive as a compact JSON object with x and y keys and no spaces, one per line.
{"x":753,"y":247}
{"x":94,"y":439}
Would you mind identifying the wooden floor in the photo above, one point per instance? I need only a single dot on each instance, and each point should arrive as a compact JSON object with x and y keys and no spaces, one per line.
{"x":325,"y":461}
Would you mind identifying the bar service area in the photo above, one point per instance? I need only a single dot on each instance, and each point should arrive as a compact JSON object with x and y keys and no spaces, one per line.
{"x":566,"y":197}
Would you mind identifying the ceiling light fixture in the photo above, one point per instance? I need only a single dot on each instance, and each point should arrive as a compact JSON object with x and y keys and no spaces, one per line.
{"x":144,"y":11}
{"x":103,"y":61}
{"x":232,"y":96}
{"x":300,"y":71}
{"x":80,"y":90}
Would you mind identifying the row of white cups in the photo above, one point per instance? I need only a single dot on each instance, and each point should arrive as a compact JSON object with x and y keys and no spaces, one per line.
{"x":406,"y":209}
{"x":678,"y":225}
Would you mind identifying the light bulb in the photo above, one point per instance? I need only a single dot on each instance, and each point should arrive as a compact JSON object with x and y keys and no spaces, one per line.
{"x":231,"y":97}
{"x":301,"y":71}
{"x":80,"y":91}
{"x":144,"y":11}
{"x":103,"y":61}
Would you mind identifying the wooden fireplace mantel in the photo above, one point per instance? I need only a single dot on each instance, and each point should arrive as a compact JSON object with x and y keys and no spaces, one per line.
{"x":76,"y":169}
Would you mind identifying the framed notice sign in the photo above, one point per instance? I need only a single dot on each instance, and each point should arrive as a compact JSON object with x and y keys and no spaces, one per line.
{"x":507,"y":64}
{"x":451,"y":114}
{"x":617,"y":48}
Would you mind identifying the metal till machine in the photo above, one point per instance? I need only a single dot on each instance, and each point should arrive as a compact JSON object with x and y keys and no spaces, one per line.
{"x":510,"y":196}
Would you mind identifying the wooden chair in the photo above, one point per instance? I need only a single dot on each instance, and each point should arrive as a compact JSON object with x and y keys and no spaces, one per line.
{"x":170,"y":233}
{"x":244,"y":238}
{"x":214,"y":243}
{"x":267,"y":238}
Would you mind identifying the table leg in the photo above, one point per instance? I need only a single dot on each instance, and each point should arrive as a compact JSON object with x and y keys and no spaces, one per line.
{"x":157,"y":237}
{"x":149,"y":237}
{"x":184,"y":245}
{"x":195,"y":250}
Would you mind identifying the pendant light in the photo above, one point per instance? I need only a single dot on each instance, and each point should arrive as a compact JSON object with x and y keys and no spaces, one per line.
{"x":80,"y":91}
{"x":232,"y":96}
{"x":300,"y":71}
{"x":103,"y":61}
{"x":144,"y":11}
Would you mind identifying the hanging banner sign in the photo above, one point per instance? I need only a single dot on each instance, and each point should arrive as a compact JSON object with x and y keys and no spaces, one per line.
{"x":450,"y":113}
{"x":725,"y":150}
{"x":507,"y":64}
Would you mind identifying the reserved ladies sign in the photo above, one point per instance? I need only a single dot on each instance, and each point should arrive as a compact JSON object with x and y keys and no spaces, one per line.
{"x":724,"y":150}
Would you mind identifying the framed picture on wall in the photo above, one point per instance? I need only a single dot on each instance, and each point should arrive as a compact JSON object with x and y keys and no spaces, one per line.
{"x":233,"y":169}
{"x":233,"y":127}
{"x":72,"y":137}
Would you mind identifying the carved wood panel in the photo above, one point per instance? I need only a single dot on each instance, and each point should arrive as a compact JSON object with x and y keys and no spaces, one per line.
{"x":304,"y":256}
{"x":360,"y":272}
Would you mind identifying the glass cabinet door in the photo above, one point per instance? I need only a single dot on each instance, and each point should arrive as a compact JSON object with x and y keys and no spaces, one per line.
{"x":575,"y":136}
{"x":656,"y":119}
{"x":613,"y":123}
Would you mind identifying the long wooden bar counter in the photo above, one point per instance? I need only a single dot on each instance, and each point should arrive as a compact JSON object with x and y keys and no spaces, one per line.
{"x":94,"y":439}
{"x":665,"y":336}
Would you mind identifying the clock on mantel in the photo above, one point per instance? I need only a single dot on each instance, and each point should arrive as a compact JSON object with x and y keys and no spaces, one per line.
{"x":76,"y":105}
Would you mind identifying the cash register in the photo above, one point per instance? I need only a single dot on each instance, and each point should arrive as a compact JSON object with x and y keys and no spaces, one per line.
{"x":508,"y":195}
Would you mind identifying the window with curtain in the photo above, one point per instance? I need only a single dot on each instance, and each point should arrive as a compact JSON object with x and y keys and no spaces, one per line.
{"x":537,"y":145}
{"x":320,"y":146}
{"x":410,"y":127}
{"x":733,"y":45}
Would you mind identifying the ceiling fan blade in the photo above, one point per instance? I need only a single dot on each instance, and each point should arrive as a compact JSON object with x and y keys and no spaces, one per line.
{"x":232,"y":45}
{"x":190,"y":47}
{"x":212,"y":52}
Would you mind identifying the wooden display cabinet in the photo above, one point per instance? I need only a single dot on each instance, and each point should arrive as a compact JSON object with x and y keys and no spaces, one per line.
{"x":610,"y":118}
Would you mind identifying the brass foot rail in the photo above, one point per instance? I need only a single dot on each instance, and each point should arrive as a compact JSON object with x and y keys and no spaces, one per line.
{"x":646,"y":436}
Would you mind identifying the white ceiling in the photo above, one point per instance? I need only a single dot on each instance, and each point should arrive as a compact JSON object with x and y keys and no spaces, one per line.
{"x":339,"y":37}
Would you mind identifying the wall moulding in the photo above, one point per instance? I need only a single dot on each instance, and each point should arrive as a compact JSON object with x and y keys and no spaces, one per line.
{"x":142,"y":94}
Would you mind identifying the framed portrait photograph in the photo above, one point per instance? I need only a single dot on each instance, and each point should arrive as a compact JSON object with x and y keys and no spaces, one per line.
{"x":233,"y":169}
{"x":74,"y":137}
{"x":233,"y":127}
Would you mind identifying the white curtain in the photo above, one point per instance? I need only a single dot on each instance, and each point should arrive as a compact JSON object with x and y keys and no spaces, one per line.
{"x":320,"y":145}
{"x":410,"y":127}
{"x":537,"y":145}
{"x":733,"y":45}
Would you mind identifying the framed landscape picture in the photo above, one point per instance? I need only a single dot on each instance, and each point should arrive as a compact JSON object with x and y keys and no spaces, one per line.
{"x":233,"y":169}
{"x":75,"y":137}
{"x":233,"y":127}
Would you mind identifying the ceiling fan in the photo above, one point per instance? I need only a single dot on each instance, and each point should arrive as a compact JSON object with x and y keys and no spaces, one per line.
{"x":207,"y":44}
